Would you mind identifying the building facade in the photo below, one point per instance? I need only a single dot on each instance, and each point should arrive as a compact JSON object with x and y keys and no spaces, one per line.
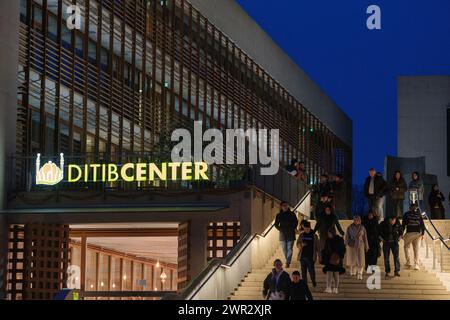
{"x":423,"y":127}
{"x":112,"y":91}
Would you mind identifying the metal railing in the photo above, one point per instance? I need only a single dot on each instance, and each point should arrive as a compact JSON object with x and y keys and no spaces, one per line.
{"x":443,"y":245}
{"x":414,"y":197}
{"x":221,"y":276}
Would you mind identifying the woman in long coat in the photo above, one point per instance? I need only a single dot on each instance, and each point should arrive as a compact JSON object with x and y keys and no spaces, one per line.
{"x":357,"y":246}
{"x":373,"y":237}
{"x":327,"y":221}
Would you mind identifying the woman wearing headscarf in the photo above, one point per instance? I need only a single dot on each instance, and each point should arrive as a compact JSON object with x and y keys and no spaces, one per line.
{"x":357,"y":246}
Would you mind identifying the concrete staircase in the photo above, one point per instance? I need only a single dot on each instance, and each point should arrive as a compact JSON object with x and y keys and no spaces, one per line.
{"x":413,"y":284}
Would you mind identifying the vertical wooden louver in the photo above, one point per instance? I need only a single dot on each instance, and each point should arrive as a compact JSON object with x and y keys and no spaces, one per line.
{"x":46,"y":258}
{"x":183,"y":255}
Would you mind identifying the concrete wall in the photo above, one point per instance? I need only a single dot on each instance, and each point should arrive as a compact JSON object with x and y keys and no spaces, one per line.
{"x":422,"y":124}
{"x":233,"y":21}
{"x":9,"y":46}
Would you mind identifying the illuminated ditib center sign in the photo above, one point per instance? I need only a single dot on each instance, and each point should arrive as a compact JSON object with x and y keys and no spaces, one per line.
{"x":51,"y":174}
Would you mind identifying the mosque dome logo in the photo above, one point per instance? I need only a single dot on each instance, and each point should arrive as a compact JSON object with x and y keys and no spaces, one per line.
{"x":49,"y":174}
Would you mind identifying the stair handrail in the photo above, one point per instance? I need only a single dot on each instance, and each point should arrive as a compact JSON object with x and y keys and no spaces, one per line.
{"x":439,"y":237}
{"x":214,"y":264}
{"x":308,"y":192}
{"x":414,"y":197}
{"x":443,"y":242}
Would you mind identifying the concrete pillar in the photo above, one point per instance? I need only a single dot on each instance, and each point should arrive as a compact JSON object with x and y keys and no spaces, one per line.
{"x":9,"y":47}
{"x":198,"y":244}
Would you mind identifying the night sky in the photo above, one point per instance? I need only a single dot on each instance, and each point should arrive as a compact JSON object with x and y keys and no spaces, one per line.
{"x":358,"y":67}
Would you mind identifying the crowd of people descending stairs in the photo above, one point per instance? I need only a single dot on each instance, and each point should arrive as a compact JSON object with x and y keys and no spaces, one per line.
{"x":362,"y":243}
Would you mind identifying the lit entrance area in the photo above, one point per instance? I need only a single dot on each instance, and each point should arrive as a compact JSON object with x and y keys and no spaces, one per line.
{"x":111,"y":258}
{"x":122,"y":251}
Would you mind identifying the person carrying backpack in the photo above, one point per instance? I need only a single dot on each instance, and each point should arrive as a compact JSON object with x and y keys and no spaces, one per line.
{"x":415,"y":229}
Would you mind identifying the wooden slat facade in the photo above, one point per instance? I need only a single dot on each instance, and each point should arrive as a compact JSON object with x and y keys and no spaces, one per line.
{"x":143,"y":69}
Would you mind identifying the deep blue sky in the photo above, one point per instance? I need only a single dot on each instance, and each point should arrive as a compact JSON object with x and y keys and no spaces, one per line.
{"x":358,"y":67}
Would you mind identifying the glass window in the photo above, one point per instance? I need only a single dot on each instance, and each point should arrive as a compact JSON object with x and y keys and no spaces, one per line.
{"x":76,"y":143}
{"x":90,"y":143}
{"x":103,"y":284}
{"x":37,"y":16}
{"x":115,"y":274}
{"x":78,"y":110}
{"x":92,"y":51}
{"x":64,"y":138}
{"x":23,"y":10}
{"x":126,"y":275}
{"x":52,"y":27}
{"x":66,"y":34}
{"x":79,"y":45}
{"x":50,"y":135}
{"x":91,"y":261}
{"x":35,"y":126}
{"x":91,"y":116}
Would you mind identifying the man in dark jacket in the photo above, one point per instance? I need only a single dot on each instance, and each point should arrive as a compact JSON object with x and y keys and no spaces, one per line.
{"x":299,"y":288}
{"x":390,"y":233}
{"x":277,"y":283}
{"x":415,"y":228}
{"x":320,"y":207}
{"x":309,"y":249}
{"x":324,"y":187}
{"x":286,"y":222}
{"x":375,"y":188}
{"x":340,"y":197}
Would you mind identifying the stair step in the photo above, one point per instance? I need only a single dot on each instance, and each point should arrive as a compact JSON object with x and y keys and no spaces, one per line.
{"x":322,"y":276}
{"x":431,"y":281}
{"x":249,"y":286}
{"x":362,"y":291}
{"x":359,"y":297}
{"x":412,"y":284}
